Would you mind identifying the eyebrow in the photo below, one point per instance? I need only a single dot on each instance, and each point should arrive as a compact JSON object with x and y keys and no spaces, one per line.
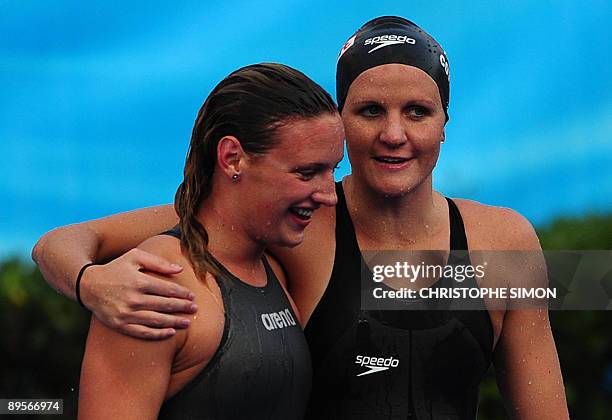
{"x":423,"y":101}
{"x":367,"y":102}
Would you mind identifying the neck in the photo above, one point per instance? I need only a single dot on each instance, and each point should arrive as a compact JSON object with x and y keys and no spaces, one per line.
{"x":400,"y":222}
{"x":228,"y":241}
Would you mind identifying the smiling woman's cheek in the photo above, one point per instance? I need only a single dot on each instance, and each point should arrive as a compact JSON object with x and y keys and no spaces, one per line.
{"x":284,"y":186}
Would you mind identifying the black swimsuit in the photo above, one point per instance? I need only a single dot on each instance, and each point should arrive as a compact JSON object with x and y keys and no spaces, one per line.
{"x":440,"y":356}
{"x":261,"y":369}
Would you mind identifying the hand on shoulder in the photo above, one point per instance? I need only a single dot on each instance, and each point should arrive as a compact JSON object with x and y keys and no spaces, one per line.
{"x":134,"y":294}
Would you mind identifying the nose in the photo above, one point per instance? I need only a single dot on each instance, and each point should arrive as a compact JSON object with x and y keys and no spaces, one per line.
{"x":393,"y":133}
{"x":326,"y":191}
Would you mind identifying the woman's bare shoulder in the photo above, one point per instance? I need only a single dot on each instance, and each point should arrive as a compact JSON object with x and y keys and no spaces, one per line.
{"x":162,"y":245}
{"x":206,"y":328}
{"x":496,"y":228}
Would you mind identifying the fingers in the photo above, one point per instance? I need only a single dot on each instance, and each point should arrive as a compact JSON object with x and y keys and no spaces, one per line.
{"x":147,"y":333}
{"x":151,"y":325}
{"x":157,"y":320}
{"x":145,"y":324}
{"x":128,"y":298}
{"x":150,"y":262}
{"x":155,"y":286}
{"x":164,"y":304}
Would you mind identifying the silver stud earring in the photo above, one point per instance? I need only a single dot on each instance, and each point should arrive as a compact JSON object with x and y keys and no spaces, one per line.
{"x":235,"y":177}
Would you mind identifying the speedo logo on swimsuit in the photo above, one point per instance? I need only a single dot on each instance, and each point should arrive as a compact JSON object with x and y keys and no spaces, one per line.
{"x":386,"y":40}
{"x":276,"y":320}
{"x":376,"y":364}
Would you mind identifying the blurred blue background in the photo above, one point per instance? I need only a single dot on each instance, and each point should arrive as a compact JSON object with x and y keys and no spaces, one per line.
{"x":99,"y":98}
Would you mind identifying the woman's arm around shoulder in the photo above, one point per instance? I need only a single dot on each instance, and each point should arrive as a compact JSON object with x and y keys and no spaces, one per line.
{"x":118,"y":292}
{"x":525,"y":356}
{"x":61,"y":252}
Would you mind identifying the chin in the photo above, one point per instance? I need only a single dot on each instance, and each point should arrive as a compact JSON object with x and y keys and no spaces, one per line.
{"x":392,"y":188}
{"x":396,"y":185}
{"x":291,"y":241}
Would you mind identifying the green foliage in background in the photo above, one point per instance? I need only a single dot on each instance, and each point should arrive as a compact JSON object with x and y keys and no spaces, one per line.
{"x":43,"y":335}
{"x":583,"y":338}
{"x":43,"y":338}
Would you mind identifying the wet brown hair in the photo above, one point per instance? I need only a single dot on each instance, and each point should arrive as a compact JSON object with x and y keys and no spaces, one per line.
{"x":249,"y":104}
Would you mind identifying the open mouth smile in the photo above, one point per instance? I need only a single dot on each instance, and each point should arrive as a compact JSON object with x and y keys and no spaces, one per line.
{"x":302,"y":212}
{"x":392,"y":162}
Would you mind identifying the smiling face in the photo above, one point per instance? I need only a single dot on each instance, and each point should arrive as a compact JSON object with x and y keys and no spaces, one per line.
{"x":282,"y":188}
{"x":394,"y":123}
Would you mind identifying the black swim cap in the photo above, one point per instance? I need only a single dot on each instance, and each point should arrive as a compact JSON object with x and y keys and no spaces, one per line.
{"x":387,"y":40}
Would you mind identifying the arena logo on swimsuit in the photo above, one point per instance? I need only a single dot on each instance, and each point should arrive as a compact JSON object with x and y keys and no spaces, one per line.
{"x":375,"y":364}
{"x":276,"y":320}
{"x":386,"y":40}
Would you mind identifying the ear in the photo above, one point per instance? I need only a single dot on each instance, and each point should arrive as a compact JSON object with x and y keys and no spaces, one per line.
{"x":230,"y":156}
{"x":443,"y":138}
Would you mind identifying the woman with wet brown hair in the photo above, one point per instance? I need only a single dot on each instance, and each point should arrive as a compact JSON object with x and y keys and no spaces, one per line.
{"x":261,"y":161}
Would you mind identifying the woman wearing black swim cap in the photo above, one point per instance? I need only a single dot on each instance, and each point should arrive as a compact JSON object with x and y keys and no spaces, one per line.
{"x":393,"y":91}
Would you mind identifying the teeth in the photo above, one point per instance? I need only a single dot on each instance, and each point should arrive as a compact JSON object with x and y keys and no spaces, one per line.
{"x":391,"y":160}
{"x":302,"y":212}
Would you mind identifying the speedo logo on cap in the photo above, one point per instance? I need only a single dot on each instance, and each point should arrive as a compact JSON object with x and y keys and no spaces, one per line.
{"x":375,"y":364}
{"x":386,"y":40}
